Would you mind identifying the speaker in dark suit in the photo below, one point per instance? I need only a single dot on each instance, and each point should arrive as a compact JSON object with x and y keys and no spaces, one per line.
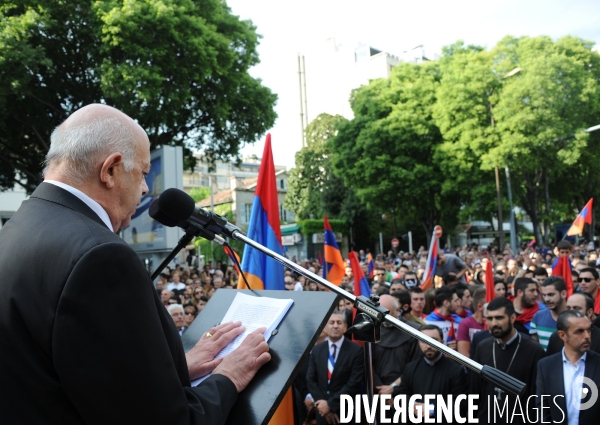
{"x":348,"y":369}
{"x":84,"y":337}
{"x":570,"y":378}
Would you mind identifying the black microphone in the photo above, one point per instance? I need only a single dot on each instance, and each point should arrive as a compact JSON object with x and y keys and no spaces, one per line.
{"x":174,"y":207}
{"x":359,"y":327}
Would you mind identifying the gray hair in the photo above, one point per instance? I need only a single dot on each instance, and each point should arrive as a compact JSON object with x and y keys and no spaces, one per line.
{"x":83,"y":146}
{"x":172,"y":307}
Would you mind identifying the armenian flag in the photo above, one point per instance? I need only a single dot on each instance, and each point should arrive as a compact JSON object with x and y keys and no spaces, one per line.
{"x":584,"y":216}
{"x":371,"y":264}
{"x":432,"y":257}
{"x":334,"y":267}
{"x":261,"y":271}
{"x":361,"y":286}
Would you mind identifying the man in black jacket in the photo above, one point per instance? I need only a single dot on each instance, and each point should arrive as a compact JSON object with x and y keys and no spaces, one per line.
{"x":432,"y":373}
{"x":336,"y":367}
{"x":569,"y":379}
{"x":70,"y":284}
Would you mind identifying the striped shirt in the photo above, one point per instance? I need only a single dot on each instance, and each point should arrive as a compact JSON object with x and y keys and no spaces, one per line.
{"x":544,"y":326}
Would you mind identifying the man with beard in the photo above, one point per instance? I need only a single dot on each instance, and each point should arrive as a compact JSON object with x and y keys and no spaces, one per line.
{"x":444,"y":315}
{"x":511,"y":352}
{"x":543,"y":324}
{"x":563,"y":375}
{"x":432,"y":373}
{"x":525,"y":303}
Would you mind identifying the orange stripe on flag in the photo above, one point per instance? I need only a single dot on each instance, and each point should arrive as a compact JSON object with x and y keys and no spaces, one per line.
{"x":284,"y":415}
{"x":254,"y":281}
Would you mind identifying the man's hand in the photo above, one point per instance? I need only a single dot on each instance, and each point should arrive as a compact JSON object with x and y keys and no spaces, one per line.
{"x":201,"y":358}
{"x":322,"y":407}
{"x":424,"y":411}
{"x":385,"y":389}
{"x":309,"y":403}
{"x":452,"y":344}
{"x":332,"y":418}
{"x":241,"y":365}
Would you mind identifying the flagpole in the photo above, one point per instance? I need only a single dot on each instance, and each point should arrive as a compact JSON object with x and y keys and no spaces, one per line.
{"x":379,"y":314}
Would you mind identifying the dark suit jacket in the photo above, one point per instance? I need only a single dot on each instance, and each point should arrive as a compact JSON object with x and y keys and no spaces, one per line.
{"x":84,"y":337}
{"x":550,"y":381}
{"x":347,"y":374}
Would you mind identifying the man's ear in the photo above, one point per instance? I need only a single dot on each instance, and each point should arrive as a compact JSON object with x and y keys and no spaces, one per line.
{"x":107,"y":171}
{"x":562,"y":335}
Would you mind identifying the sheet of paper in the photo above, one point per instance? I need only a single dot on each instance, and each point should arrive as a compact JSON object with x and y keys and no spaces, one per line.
{"x":253,"y":312}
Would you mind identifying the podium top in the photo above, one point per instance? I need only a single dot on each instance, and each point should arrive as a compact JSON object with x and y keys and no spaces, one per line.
{"x":295,"y":337}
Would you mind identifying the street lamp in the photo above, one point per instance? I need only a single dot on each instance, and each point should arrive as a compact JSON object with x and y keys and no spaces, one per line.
{"x":498,"y":193}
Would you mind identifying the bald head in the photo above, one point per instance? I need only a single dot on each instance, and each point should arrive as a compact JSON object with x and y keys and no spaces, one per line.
{"x":106,"y":155}
{"x":389,"y":302}
{"x":80,"y":144}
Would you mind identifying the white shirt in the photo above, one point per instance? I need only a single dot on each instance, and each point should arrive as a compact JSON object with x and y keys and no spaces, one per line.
{"x":298,"y":287}
{"x":179,"y":286}
{"x":95,"y":206}
{"x":338,"y":344}
{"x":573,"y":389}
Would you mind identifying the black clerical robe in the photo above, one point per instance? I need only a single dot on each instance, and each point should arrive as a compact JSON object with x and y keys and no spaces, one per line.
{"x":444,"y":377}
{"x":526,"y":355}
{"x":391,"y":354}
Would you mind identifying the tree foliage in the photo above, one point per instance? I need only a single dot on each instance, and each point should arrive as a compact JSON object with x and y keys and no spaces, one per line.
{"x":386,"y":152}
{"x":523,"y":104}
{"x":179,"y":67}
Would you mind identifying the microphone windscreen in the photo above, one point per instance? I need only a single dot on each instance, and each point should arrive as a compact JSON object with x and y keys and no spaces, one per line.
{"x":176,"y":204}
{"x":155,"y":212}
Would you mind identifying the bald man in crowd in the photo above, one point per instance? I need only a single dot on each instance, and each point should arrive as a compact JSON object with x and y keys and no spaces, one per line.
{"x":84,"y":336}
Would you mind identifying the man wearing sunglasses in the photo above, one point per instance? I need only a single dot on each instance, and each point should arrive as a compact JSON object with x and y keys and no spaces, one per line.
{"x":588,"y":282}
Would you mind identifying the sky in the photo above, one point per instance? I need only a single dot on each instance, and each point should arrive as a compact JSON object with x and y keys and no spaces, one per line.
{"x":289,"y":28}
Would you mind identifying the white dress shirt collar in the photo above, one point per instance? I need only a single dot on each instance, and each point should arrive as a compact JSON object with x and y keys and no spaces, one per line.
{"x":338,"y":344}
{"x":95,"y":206}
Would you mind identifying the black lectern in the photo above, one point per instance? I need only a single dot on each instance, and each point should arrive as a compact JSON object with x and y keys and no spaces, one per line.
{"x":295,"y":337}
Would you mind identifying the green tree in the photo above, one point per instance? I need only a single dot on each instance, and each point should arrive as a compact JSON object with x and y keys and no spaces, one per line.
{"x":386,"y":152}
{"x":529,"y":119}
{"x":199,"y":193}
{"x":179,"y":67}
{"x":313,"y":175}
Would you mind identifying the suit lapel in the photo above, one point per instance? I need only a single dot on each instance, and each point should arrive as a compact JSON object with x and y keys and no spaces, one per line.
{"x":323,"y":358}
{"x":52,"y":193}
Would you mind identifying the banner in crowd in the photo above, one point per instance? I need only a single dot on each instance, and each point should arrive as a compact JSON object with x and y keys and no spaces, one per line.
{"x":334,"y":267}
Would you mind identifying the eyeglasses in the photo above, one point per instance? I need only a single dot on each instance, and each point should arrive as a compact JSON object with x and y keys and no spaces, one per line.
{"x":379,"y":274}
{"x":188,"y":313}
{"x":586,"y":279}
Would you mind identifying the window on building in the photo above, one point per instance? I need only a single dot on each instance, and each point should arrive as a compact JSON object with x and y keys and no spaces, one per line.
{"x":282,"y":213}
{"x":282,"y":184}
{"x":247,"y":212}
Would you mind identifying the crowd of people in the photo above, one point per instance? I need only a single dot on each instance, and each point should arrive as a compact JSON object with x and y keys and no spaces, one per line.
{"x":530,"y":318}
